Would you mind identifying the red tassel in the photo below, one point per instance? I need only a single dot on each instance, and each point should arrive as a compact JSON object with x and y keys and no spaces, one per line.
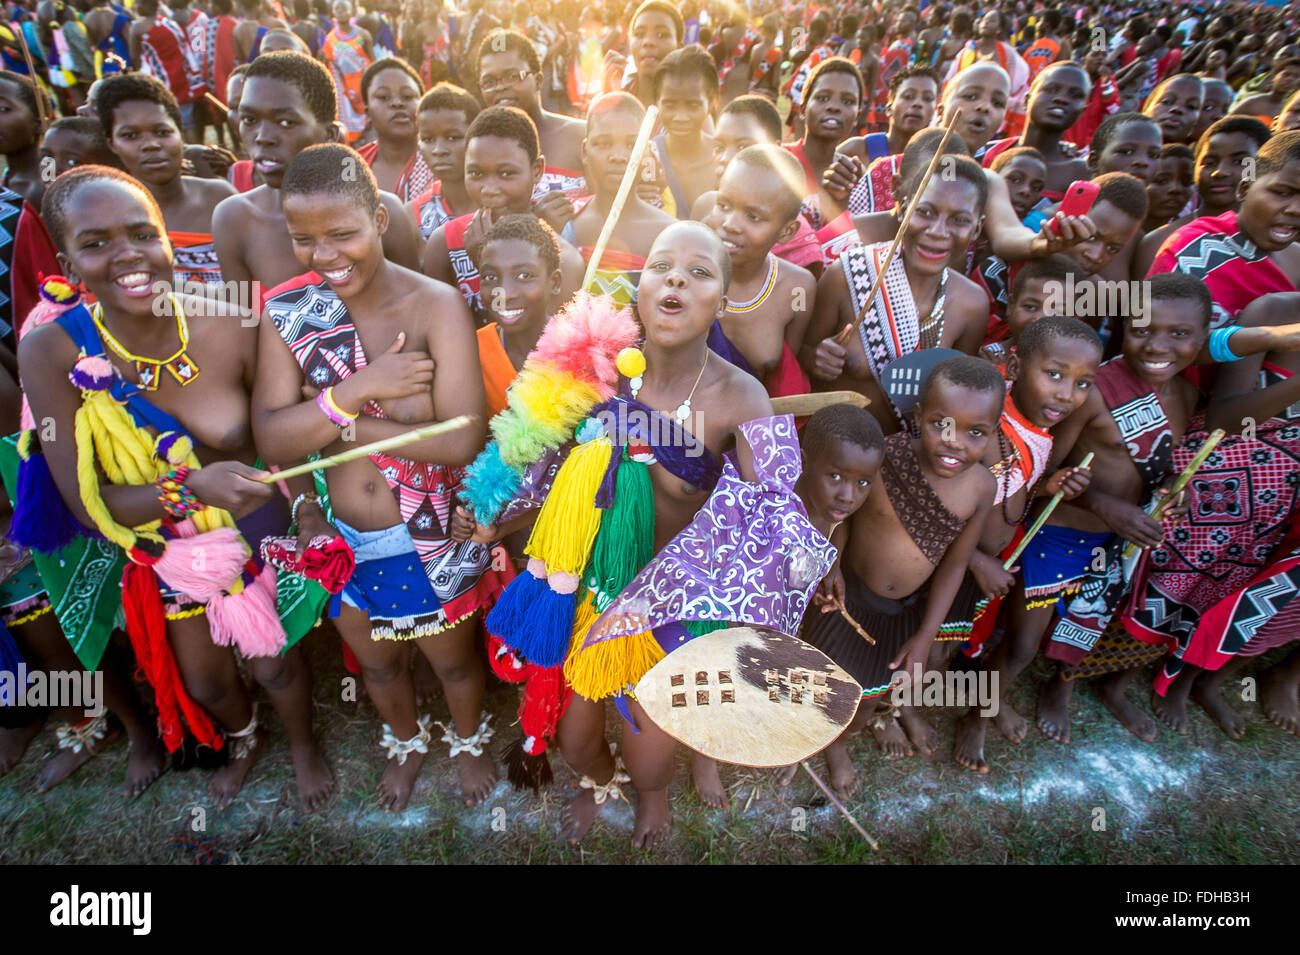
{"x":146,"y":625}
{"x":546,"y":697}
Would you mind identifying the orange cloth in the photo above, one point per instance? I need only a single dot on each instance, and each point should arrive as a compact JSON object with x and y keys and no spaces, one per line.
{"x":498,"y":373}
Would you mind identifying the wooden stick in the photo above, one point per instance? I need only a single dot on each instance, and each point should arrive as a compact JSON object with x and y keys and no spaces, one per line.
{"x":875,"y":846}
{"x":844,"y":612}
{"x":624,"y":190}
{"x":1180,"y":482}
{"x":800,"y":405}
{"x":216,"y":104}
{"x":385,"y":444}
{"x":1042,"y":519}
{"x":902,"y":228}
{"x":31,"y":70}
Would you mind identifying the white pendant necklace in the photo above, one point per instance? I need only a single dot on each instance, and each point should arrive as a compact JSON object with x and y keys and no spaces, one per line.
{"x":684,"y":409}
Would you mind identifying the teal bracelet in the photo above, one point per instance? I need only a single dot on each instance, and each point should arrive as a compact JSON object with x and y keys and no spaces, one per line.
{"x":1219,"y":349}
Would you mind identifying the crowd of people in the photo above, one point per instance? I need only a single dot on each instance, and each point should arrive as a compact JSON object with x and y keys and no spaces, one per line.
{"x":242,"y":236}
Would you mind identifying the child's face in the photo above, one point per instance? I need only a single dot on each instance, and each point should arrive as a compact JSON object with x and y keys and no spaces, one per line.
{"x":1270,"y":211}
{"x":1177,"y":109}
{"x":442,"y":142}
{"x":1288,"y":119}
{"x":837,"y":480}
{"x":654,"y":36}
{"x":912,"y":108}
{"x":1167,"y":343}
{"x":956,"y":424}
{"x":1054,"y":381}
{"x":1025,"y":177}
{"x":611,"y":137}
{"x":832,"y":107}
{"x":681,"y":291}
{"x":1029,"y":305}
{"x":391,"y":104}
{"x":337,"y":237}
{"x":18,"y":128}
{"x":1169,"y":189}
{"x":68,"y":149}
{"x":981,"y":93}
{"x":1059,"y":97}
{"x":515,"y":286}
{"x":498,"y":175}
{"x":116,"y":244}
{"x":749,"y":212}
{"x":1214,"y":105}
{"x":505,"y":80}
{"x":1220,"y":167}
{"x":147,"y":141}
{"x":1134,"y":148}
{"x":1114,"y":230}
{"x":945,"y":220}
{"x":275,"y":125}
{"x":734,"y":132}
{"x":683,"y":106}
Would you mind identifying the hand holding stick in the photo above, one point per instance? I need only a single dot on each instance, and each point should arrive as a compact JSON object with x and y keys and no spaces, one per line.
{"x":1180,"y":482}
{"x":1042,"y":519}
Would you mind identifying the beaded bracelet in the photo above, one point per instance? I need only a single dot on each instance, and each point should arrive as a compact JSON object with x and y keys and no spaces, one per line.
{"x":306,"y":497}
{"x":338,"y":417}
{"x":177,"y":499}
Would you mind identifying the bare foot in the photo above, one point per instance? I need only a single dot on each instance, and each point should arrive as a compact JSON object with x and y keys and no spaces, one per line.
{"x":1054,"y":709}
{"x":654,"y":820}
{"x":1230,"y":721}
{"x":13,"y":743}
{"x":844,"y":779}
{"x":708,"y":784}
{"x":892,"y":739}
{"x":578,"y":815}
{"x":785,"y":776}
{"x":227,"y":781}
{"x":145,"y":762}
{"x":1011,"y":723}
{"x":1280,"y":702}
{"x":969,"y":750}
{"x":313,"y":776}
{"x":66,"y":761}
{"x":923,"y":736}
{"x":478,"y":777}
{"x":398,"y":780}
{"x":1126,"y":711}
{"x":1171,"y":710}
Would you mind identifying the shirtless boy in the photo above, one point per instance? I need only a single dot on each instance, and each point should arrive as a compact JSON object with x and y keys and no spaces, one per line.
{"x":288,"y":104}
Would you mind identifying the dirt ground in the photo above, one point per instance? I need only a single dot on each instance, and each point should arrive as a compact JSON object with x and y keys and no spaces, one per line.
{"x":1107,"y":797}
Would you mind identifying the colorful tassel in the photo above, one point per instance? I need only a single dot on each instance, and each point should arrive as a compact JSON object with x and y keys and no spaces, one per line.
{"x":41,"y":521}
{"x":512,"y":612}
{"x":569,"y":520}
{"x":544,"y":642}
{"x":489,"y":485}
{"x":625,"y":543}
{"x":249,"y":619}
{"x":203,"y":566}
{"x":527,"y":770}
{"x":585,"y":339}
{"x":611,"y":666}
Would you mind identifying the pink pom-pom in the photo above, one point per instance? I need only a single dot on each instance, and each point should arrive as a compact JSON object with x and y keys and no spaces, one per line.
{"x":249,"y":619}
{"x":585,"y":338}
{"x":91,"y":373}
{"x":563,"y":583}
{"x":204,"y":565}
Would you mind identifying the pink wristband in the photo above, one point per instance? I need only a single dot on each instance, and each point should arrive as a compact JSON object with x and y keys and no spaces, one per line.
{"x":332,"y":410}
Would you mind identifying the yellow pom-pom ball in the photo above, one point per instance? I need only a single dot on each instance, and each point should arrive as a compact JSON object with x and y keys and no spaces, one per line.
{"x":631,"y":363}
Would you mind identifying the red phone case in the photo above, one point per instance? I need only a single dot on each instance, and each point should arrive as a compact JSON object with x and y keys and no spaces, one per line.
{"x":1078,"y":199}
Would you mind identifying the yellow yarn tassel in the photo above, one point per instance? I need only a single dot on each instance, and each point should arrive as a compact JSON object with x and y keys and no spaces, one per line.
{"x":566,"y":528}
{"x":611,"y":666}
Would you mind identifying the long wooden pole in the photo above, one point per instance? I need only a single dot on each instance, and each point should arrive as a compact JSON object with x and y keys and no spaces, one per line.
{"x":31,"y":70}
{"x":1042,"y":519}
{"x":624,"y":190}
{"x":875,"y":846}
{"x":902,"y":228}
{"x":1180,"y":482}
{"x":384,"y":444}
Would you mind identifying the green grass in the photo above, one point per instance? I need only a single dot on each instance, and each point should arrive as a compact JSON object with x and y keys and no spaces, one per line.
{"x":1200,"y":799}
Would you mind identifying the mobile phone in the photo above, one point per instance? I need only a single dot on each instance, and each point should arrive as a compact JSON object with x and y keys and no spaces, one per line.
{"x":1078,"y":200}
